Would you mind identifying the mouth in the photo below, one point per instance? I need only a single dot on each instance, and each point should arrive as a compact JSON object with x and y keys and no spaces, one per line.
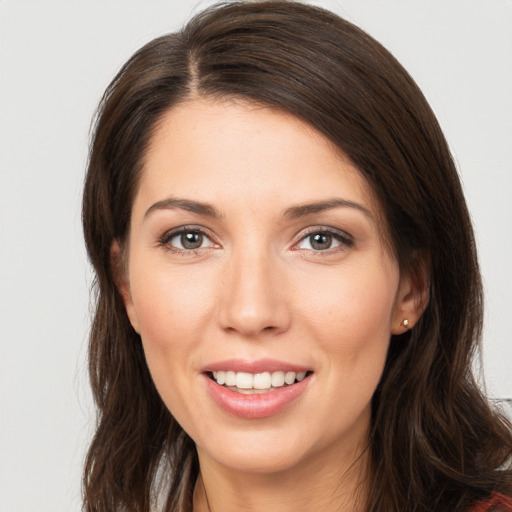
{"x":257,"y":383}
{"x":256,"y":389}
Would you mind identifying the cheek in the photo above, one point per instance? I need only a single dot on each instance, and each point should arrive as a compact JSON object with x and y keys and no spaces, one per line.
{"x":352,"y":303}
{"x":172,"y":310}
{"x":350,"y":317}
{"x":169,"y":302}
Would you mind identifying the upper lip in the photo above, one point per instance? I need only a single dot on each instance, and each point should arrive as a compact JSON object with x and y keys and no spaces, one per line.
{"x":257,"y":366}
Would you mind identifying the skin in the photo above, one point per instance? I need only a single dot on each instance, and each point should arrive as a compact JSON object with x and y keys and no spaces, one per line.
{"x":257,"y":288}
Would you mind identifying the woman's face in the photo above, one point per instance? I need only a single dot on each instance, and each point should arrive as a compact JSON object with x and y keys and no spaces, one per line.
{"x":260,"y":284}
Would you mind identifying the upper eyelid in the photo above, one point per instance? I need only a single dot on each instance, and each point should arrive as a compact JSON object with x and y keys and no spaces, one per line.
{"x":299,"y":236}
{"x":322,"y":229}
{"x":186,"y":228}
{"x":173,"y":232}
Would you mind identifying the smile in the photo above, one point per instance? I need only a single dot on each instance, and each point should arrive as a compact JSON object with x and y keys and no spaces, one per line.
{"x":256,"y":395}
{"x":252,"y":383}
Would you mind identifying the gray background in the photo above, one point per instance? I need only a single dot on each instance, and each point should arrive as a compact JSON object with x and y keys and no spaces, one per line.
{"x":56,"y":57}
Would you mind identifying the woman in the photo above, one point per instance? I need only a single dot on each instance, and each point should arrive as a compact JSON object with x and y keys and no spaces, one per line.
{"x":288,"y":291}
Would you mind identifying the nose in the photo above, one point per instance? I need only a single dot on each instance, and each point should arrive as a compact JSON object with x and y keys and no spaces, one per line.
{"x":254,"y":301}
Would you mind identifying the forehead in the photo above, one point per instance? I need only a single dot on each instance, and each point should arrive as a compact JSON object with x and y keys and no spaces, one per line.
{"x":242,"y":153}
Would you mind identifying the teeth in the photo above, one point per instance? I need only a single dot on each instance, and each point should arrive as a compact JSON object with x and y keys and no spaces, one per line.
{"x":262,"y":381}
{"x":289,"y":377}
{"x":259,"y":381}
{"x":230,"y":379}
{"x":277,"y":379}
{"x":244,"y":380}
{"x":220,"y":377}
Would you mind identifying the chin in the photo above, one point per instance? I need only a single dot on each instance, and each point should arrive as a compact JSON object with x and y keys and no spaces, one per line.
{"x":260,"y":451}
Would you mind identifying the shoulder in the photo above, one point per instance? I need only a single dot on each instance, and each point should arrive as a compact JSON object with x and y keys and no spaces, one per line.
{"x":497,"y":503}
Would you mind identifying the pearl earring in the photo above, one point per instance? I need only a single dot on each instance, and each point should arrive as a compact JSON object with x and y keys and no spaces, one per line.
{"x":405,"y":323}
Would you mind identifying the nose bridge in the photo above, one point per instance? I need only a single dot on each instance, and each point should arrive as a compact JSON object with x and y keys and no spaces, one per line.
{"x":252,"y":300}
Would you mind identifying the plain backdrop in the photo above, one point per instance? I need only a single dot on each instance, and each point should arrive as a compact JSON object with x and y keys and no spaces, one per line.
{"x":56,"y":58}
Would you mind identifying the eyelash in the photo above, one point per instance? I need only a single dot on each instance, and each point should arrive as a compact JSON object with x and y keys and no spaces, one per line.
{"x":344,"y":239}
{"x":166,"y":238}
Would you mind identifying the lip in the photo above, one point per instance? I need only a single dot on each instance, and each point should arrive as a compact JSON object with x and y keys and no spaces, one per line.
{"x":254,"y":406}
{"x":258,"y":366}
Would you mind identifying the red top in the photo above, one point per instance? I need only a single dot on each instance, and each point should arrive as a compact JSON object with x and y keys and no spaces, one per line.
{"x":497,"y":503}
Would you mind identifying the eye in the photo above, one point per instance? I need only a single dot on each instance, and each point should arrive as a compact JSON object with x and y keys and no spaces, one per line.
{"x":186,"y":239}
{"x":190,"y":240}
{"x":319,"y":242}
{"x":324,"y":240}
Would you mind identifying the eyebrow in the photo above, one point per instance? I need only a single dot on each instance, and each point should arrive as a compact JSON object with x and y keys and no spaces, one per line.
{"x":293,"y":212}
{"x":184,"y":204}
{"x":320,"y":206}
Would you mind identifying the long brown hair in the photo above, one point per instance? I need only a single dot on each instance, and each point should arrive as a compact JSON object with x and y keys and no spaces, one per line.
{"x":435,"y":443}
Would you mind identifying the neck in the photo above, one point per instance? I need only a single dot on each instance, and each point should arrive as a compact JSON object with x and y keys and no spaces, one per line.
{"x":315,"y":485}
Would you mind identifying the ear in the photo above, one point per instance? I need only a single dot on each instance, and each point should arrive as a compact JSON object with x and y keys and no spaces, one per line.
{"x":120,"y":272}
{"x":411,"y":299}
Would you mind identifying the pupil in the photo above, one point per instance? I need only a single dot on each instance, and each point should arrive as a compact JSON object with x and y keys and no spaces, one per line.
{"x":321,"y":241}
{"x":191,"y":240}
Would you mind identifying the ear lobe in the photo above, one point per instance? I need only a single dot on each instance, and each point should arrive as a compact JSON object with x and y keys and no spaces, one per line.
{"x":411,"y":300}
{"x":120,"y":273}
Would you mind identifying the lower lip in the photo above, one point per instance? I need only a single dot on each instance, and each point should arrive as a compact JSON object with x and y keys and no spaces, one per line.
{"x":258,"y":405}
